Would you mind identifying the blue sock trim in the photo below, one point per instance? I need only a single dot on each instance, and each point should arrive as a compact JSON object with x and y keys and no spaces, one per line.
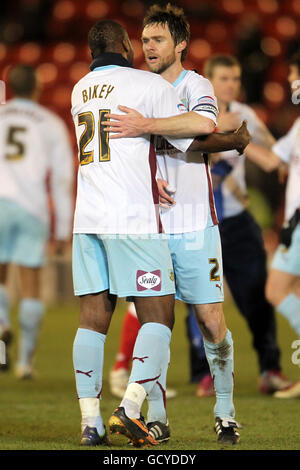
{"x":213,"y":346}
{"x":157,"y":329}
{"x":86,"y":335}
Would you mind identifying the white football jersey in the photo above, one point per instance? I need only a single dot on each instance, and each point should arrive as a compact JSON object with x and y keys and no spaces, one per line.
{"x":117,"y":191}
{"x":189,"y":172}
{"x":233,"y":188}
{"x":34,"y":142}
{"x":288,"y":149}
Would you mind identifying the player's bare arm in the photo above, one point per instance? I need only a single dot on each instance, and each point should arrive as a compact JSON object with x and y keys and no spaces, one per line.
{"x":217,"y":142}
{"x":134,"y":124}
{"x":228,"y":121}
{"x":262,"y":156}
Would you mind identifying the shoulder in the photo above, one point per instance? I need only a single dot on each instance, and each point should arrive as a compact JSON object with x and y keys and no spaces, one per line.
{"x":202,"y":83}
{"x":153,"y":79}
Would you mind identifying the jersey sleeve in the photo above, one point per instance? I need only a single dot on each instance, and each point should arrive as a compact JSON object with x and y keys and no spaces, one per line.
{"x":283,"y":147}
{"x":61,"y":179}
{"x":202,"y":99}
{"x":164,"y":103}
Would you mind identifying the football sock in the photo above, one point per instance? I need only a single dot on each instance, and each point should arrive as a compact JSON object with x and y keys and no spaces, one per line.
{"x":4,"y":309}
{"x":88,"y":357}
{"x":133,"y":399}
{"x":290,"y":309}
{"x":30,"y":315}
{"x":220,"y":359}
{"x":157,"y":397}
{"x":130,"y":329}
{"x":151,"y":347}
{"x":90,"y":412}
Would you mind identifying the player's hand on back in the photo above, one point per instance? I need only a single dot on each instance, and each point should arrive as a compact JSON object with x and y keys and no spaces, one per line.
{"x":228,"y":121}
{"x":243,"y":137}
{"x":165,"y":192}
{"x":130,"y":124}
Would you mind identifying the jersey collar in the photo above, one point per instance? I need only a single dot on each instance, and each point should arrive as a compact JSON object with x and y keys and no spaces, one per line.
{"x":180,"y":78}
{"x":109,"y":59}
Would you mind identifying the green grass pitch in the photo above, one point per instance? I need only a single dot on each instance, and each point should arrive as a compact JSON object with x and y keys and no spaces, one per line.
{"x":44,"y":414}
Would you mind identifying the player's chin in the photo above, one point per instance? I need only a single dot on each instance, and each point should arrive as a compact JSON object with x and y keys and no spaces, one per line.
{"x":153,"y":67}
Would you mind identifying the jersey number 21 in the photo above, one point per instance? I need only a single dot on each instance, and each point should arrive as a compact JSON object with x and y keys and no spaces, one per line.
{"x":87,"y":119}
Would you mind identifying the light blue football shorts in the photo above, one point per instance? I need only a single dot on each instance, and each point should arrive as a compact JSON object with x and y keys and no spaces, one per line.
{"x":198,"y":267}
{"x":127,"y":265}
{"x":23,"y":237}
{"x":288,"y":259}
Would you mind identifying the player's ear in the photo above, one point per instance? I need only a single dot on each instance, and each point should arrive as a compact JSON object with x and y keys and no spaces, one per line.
{"x":181,"y":46}
{"x":128,"y":49}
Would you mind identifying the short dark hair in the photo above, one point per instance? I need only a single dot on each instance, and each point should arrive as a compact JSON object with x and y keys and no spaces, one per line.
{"x":105,"y":36}
{"x":22,"y":80}
{"x":174,"y":17}
{"x":295,"y":60}
{"x":224,"y":60}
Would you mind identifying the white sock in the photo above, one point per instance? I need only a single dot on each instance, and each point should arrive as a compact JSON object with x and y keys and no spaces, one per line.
{"x":133,"y":399}
{"x":90,"y":412}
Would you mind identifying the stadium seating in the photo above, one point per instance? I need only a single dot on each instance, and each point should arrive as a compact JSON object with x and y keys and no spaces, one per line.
{"x":216,"y":27}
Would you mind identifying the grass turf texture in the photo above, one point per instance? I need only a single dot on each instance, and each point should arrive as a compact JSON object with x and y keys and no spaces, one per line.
{"x":44,"y":414}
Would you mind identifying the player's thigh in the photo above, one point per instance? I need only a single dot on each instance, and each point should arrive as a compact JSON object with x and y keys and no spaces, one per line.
{"x":197,"y":261}
{"x":31,"y":238}
{"x":89,"y":265}
{"x":139,"y":265}
{"x":156,"y":309}
{"x":211,"y":320}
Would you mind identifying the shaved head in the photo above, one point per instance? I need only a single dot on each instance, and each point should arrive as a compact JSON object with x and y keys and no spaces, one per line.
{"x":106,"y":36}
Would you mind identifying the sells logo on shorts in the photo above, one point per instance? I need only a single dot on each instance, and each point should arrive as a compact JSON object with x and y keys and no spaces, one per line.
{"x":148,"y":280}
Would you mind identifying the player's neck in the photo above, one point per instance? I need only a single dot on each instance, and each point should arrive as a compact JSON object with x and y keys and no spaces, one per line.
{"x":172,"y":73}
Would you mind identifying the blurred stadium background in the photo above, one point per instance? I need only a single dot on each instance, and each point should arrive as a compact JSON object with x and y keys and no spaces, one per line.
{"x":51,"y":35}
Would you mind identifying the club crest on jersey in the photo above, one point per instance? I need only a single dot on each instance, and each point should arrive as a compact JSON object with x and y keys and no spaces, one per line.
{"x":148,"y":280}
{"x":181,"y":107}
{"x":171,"y":274}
